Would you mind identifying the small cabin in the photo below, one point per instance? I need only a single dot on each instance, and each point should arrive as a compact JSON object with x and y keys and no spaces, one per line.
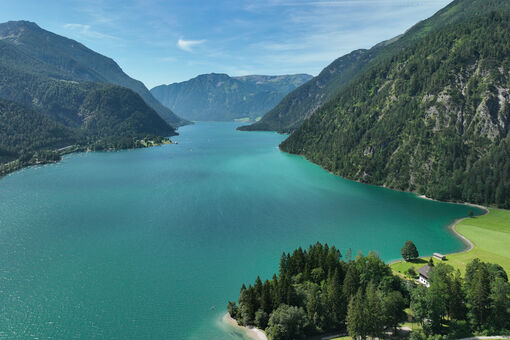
{"x":440,"y":257}
{"x":424,"y":275}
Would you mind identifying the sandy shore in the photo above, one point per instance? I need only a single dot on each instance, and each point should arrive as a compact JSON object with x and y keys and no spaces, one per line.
{"x":250,"y":332}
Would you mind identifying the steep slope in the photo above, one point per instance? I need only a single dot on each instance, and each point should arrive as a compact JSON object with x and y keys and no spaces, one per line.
{"x":290,"y":113}
{"x":45,"y":112}
{"x":23,"y":131}
{"x":63,"y":58}
{"x":68,"y":102}
{"x":434,"y":118}
{"x":219,"y":97}
{"x":295,"y":107}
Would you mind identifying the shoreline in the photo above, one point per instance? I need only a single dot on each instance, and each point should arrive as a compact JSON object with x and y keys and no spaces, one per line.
{"x":16,"y":165}
{"x":469,"y":245}
{"x":250,"y":332}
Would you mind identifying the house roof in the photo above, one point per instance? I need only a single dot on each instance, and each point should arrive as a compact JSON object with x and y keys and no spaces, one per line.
{"x":424,"y":271}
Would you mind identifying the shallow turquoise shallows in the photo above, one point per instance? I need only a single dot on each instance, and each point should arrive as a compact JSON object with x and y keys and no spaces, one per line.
{"x":142,"y":244}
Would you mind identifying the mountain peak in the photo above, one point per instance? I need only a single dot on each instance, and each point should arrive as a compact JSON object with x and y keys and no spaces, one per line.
{"x":13,"y":27}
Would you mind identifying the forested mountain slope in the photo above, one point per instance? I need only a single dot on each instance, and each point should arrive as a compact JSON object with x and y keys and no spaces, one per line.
{"x":43,"y":108}
{"x":23,"y":130}
{"x":298,"y":105}
{"x":219,"y":97}
{"x":432,"y":119}
{"x":54,"y":56}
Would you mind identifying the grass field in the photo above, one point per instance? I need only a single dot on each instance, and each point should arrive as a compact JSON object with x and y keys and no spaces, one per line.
{"x":490,"y":235}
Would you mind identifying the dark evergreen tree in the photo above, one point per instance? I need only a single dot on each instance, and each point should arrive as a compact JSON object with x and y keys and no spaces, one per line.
{"x":479,"y":296}
{"x":409,"y":251}
{"x":357,"y":316}
{"x":351,"y":282}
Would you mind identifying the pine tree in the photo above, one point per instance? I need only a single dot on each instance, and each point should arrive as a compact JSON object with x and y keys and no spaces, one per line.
{"x":456,"y":303}
{"x":336,"y":300}
{"x":351,"y":281}
{"x":374,"y":309}
{"x":500,"y":304}
{"x":479,"y":296}
{"x":357,"y":316}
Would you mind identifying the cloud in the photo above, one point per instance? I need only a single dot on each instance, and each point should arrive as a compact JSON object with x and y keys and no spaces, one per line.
{"x":187,"y":45}
{"x":86,"y":31}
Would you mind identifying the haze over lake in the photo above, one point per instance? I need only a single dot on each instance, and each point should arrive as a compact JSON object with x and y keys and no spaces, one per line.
{"x":142,"y":243}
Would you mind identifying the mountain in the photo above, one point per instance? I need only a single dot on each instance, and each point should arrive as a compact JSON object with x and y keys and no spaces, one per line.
{"x":22,"y":130}
{"x":58,"y":57}
{"x":300,"y":104}
{"x":433,"y":118}
{"x":45,"y":107}
{"x":295,"y":107}
{"x":219,"y":97}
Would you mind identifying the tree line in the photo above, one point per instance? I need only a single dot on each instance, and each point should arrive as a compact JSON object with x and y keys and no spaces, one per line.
{"x":317,"y":291}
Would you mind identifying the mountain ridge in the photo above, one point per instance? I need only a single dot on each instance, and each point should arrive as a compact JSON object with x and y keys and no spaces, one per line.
{"x":70,"y":60}
{"x":48,"y":101}
{"x":432,"y":119}
{"x":300,"y":104}
{"x":220,"y":97}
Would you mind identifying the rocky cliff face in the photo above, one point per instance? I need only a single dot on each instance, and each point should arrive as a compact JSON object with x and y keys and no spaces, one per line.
{"x":432,"y":119}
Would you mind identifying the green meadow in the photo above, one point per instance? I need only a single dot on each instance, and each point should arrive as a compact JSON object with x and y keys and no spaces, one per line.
{"x":490,"y":235}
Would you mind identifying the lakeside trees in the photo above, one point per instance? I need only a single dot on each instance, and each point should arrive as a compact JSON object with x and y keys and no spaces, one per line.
{"x":478,"y":303}
{"x":316,"y":292}
{"x":409,"y":251}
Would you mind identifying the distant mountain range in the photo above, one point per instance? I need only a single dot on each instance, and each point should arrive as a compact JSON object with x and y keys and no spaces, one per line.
{"x":55,"y":92}
{"x":219,"y":97}
{"x":428,"y":111}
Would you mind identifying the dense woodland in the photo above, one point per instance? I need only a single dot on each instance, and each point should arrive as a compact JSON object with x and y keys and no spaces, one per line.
{"x":47,"y":107}
{"x":318,"y":291}
{"x":433,"y":119}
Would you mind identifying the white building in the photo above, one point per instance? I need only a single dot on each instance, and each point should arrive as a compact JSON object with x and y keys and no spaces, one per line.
{"x":424,"y":275}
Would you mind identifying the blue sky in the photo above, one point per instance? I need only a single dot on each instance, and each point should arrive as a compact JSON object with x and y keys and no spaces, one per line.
{"x":161,"y":42}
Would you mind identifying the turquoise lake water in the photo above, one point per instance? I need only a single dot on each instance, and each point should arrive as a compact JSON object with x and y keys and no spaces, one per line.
{"x":142,"y":243}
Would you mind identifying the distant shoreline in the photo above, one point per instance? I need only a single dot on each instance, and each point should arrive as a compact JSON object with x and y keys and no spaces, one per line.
{"x":16,"y":165}
{"x":251,"y":332}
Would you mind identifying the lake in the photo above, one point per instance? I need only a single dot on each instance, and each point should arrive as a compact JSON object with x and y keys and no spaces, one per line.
{"x":144,"y":243}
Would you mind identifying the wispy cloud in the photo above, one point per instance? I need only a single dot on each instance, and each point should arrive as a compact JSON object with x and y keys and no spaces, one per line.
{"x":187,"y":45}
{"x":87,"y":31}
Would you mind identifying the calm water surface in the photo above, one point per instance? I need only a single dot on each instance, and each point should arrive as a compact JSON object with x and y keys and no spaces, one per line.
{"x":142,"y":243}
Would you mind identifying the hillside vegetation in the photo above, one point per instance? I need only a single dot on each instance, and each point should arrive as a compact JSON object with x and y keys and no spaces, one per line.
{"x":432,"y":119}
{"x":300,"y":104}
{"x":49,"y":102}
{"x":317,"y":291}
{"x":50,"y":55}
